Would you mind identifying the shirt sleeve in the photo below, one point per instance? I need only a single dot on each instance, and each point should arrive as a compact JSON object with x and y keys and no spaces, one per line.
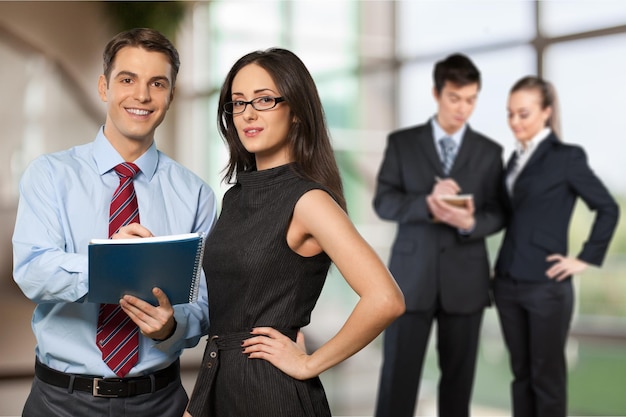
{"x":193,"y":319}
{"x":43,"y":269}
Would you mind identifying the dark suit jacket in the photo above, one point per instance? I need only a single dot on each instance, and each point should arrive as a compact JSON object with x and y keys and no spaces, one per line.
{"x":433,"y":259}
{"x":541,"y":208}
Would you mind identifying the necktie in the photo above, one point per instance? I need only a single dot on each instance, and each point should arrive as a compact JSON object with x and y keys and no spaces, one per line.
{"x":512,"y":171}
{"x":117,"y":335}
{"x":448,"y":150}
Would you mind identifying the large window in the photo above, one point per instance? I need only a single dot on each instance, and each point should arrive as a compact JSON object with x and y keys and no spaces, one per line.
{"x":591,"y":92}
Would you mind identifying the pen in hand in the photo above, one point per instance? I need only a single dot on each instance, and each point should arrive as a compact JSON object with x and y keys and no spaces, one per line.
{"x":449,"y":186}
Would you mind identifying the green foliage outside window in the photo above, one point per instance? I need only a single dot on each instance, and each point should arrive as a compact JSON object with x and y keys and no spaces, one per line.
{"x":164,"y":16}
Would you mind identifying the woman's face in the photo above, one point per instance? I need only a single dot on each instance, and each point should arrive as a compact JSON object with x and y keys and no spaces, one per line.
{"x":526,"y":117}
{"x":263,"y":133}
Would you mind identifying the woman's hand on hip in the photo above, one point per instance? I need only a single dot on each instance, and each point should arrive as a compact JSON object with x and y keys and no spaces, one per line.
{"x":564,"y":266}
{"x":273,"y":346}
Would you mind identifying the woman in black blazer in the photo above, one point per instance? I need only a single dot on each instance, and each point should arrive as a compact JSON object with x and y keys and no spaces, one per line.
{"x":532,"y":288}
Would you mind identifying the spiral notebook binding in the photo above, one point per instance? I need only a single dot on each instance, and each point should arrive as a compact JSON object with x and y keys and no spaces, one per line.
{"x":197,"y":269}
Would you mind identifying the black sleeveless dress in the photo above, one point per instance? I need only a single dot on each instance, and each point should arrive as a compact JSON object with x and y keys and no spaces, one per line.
{"x":254,"y":279}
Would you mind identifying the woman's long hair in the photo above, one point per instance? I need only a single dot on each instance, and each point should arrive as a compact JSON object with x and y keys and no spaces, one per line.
{"x":548,"y":99}
{"x":308,"y":135}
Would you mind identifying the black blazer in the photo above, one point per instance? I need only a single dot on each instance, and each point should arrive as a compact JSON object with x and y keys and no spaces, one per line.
{"x":432,"y":259}
{"x":541,"y":208}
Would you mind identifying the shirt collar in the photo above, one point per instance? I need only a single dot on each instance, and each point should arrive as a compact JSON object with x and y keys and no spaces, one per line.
{"x":439,"y":133}
{"x":107,"y":157}
{"x":532,"y":144}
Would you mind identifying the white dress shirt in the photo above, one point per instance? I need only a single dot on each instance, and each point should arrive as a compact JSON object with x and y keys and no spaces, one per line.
{"x":524,"y":152}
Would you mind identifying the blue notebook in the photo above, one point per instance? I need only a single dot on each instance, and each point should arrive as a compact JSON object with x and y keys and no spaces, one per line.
{"x":135,"y":266}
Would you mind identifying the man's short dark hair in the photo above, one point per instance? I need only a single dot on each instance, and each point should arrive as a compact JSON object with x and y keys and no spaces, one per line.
{"x":457,"y":69}
{"x":148,"y":39}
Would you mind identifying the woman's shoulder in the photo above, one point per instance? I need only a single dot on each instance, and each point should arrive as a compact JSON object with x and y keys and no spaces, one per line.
{"x":570,"y":155}
{"x":316,"y":207}
{"x":569,"y":149}
{"x":312,"y":192}
{"x":302,"y":183}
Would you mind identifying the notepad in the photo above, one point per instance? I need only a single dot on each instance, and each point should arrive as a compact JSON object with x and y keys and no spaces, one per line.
{"x":135,"y":266}
{"x":459,"y":200}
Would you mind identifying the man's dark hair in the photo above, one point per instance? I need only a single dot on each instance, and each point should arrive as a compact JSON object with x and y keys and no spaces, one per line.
{"x":456,"y":69}
{"x":148,"y":39}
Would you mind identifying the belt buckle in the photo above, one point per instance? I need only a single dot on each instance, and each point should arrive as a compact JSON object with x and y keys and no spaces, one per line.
{"x":95,"y":391}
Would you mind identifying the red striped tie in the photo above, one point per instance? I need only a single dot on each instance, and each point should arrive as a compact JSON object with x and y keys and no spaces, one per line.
{"x":117,"y":335}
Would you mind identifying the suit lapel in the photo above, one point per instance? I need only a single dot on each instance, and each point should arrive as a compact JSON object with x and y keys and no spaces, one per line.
{"x":519,"y":187}
{"x":426,"y":144}
{"x":540,"y":152}
{"x":511,"y":163}
{"x":464,"y":151}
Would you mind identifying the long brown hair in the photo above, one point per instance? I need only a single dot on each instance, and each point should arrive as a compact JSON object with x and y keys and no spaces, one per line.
{"x":308,"y":136}
{"x":548,"y":99}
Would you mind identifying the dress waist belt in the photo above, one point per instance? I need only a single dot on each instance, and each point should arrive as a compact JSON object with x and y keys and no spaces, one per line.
{"x":199,"y":403}
{"x":229,"y":341}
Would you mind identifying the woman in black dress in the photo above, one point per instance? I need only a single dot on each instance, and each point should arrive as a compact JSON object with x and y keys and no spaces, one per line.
{"x":282,"y":224}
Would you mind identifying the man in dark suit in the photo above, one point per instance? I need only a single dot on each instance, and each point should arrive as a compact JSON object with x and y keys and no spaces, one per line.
{"x":439,"y":256}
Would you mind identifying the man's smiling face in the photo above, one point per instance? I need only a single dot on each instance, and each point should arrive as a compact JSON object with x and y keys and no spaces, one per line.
{"x":138,"y":95}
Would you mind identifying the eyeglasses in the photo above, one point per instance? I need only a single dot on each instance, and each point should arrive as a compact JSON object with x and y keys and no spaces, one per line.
{"x":259,"y":104}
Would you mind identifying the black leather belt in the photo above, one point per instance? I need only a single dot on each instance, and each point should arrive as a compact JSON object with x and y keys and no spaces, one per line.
{"x":109,"y":387}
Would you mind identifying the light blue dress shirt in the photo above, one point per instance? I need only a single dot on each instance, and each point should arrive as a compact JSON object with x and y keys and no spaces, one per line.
{"x":439,"y":133}
{"x":64,"y":202}
{"x":457,"y":137}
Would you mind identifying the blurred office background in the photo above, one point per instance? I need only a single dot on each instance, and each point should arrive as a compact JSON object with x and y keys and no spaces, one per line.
{"x":372,"y":61}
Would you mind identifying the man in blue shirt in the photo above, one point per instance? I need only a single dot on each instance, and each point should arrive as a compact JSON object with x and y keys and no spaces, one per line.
{"x":64,"y":202}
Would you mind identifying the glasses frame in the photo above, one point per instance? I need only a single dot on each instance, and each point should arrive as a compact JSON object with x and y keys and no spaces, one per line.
{"x":251,"y":102}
